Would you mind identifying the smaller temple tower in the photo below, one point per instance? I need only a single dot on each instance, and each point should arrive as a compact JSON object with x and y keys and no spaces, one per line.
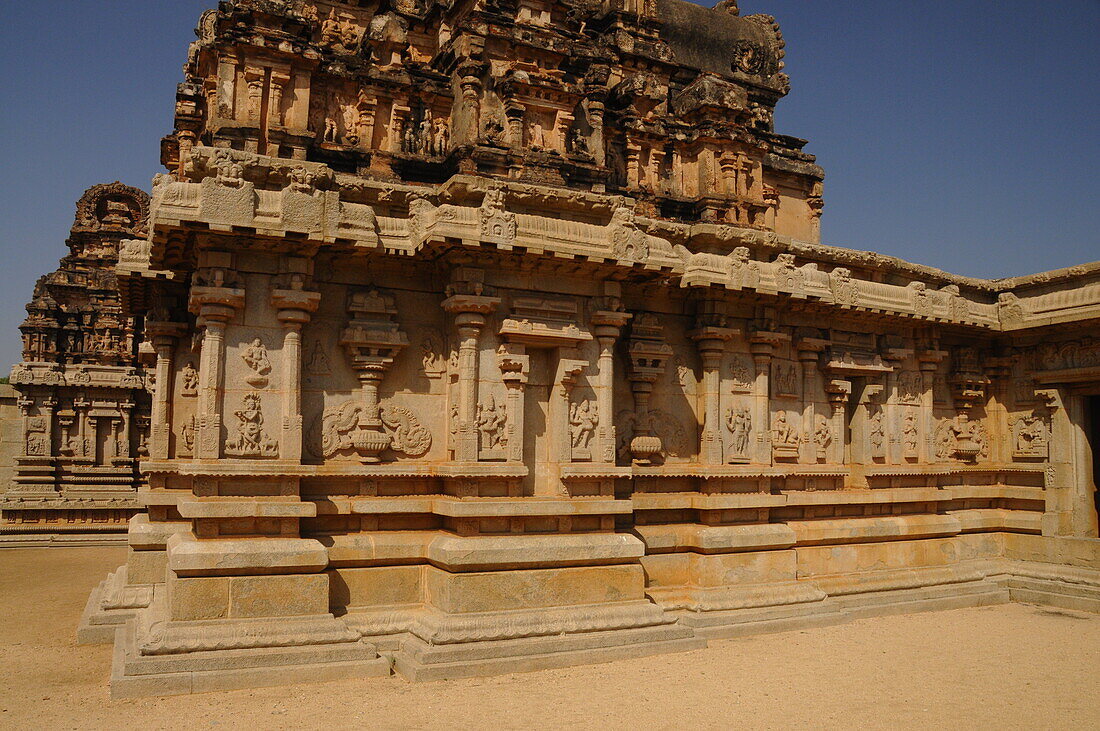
{"x":81,"y":392}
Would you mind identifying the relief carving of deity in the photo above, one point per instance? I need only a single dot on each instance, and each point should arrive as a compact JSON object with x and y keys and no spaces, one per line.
{"x":255,"y":357}
{"x":583,"y":419}
{"x":739,"y":422}
{"x":909,"y":387}
{"x":491,"y":420}
{"x":189,"y":379}
{"x":910,"y":434}
{"x":251,"y":440}
{"x":1032,"y":437}
{"x":786,"y":379}
{"x":877,"y":429}
{"x":741,"y":373}
{"x":823,"y":435}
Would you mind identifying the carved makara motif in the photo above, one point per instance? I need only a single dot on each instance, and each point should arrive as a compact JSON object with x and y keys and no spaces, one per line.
{"x":335,"y":431}
{"x":744,"y":272}
{"x":251,"y":440}
{"x":669,"y":432}
{"x":583,"y":420}
{"x":256,"y":358}
{"x":961,"y":439}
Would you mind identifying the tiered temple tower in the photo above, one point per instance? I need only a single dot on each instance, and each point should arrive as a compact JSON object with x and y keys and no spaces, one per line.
{"x":81,"y":389}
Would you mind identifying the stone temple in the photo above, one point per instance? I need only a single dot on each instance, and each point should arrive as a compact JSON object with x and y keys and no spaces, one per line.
{"x":476,"y":337}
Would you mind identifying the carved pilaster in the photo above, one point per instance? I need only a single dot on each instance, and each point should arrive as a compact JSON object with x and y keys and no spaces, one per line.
{"x":515,"y":366}
{"x":809,"y":350}
{"x":470,"y":307}
{"x":607,"y":323}
{"x":762,"y":344}
{"x":711,"y":342}
{"x":215,"y":306}
{"x":649,"y":354}
{"x":294,"y":306}
{"x":163,"y":335}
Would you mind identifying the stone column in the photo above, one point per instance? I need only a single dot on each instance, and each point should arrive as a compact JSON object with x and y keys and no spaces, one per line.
{"x":570,"y":367}
{"x":762,"y":345}
{"x":808,"y":350}
{"x":607,"y":324}
{"x":294,"y":309}
{"x":839,"y":392}
{"x":929,"y":361}
{"x":163,"y":336}
{"x":892,"y":409}
{"x":515,"y":365}
{"x":711,"y":343}
{"x":215,"y":307}
{"x":124,"y":442}
{"x":471,"y":312}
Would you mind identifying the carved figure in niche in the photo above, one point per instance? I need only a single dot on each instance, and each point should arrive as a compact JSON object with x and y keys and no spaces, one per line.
{"x":877,"y":429}
{"x":537,"y":136}
{"x":189,"y":379}
{"x":491,"y":418}
{"x":494,"y":131}
{"x":332,"y":131}
{"x":317,"y":361}
{"x":782,"y":431}
{"x":441,"y":137}
{"x":786,"y":380}
{"x":684,"y":375}
{"x":909,"y":387}
{"x":424,"y":135}
{"x":454,"y":420}
{"x":1032,"y":438}
{"x":739,"y":422}
{"x":583,"y":419}
{"x":432,"y":360}
{"x":251,"y":439}
{"x":351,"y":124}
{"x":230,"y":173}
{"x":910,"y":434}
{"x":187,"y":435}
{"x":255,"y":357}
{"x":741,"y":373}
{"x":823,"y":434}
{"x":330,"y":29}
{"x":36,"y":445}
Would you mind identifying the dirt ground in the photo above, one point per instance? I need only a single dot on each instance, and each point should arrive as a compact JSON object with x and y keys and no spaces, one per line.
{"x":1012,"y":666}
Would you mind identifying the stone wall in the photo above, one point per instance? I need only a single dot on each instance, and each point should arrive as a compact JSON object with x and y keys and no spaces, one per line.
{"x":497,"y":338}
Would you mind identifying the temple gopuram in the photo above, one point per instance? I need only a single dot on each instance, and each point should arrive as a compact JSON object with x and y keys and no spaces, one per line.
{"x":496,"y":335}
{"x":81,"y":390}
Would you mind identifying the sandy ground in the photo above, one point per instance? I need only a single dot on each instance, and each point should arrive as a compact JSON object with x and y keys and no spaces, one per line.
{"x":1012,"y":666}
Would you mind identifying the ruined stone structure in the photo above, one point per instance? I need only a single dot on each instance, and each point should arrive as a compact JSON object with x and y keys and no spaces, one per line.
{"x":497,"y":335}
{"x":83,"y":406}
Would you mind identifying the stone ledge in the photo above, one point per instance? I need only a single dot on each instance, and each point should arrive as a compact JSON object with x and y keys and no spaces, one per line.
{"x":190,"y":556}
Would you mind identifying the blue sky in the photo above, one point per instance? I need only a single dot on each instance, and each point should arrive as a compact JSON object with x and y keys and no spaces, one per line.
{"x":958,"y":134}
